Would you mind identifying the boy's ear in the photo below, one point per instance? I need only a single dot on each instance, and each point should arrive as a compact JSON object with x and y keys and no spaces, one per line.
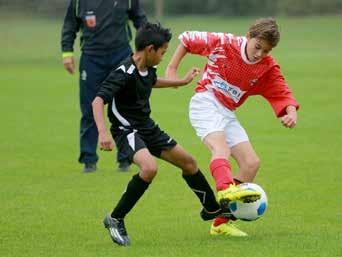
{"x":149,"y":48}
{"x":248,"y":36}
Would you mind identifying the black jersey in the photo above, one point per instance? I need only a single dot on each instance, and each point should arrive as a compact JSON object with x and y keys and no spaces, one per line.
{"x":127,"y":91}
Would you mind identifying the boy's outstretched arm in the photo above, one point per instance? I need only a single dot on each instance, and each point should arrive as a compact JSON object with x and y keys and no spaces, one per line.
{"x":171,"y":70}
{"x":105,"y":140}
{"x":289,"y":120}
{"x":176,"y":82}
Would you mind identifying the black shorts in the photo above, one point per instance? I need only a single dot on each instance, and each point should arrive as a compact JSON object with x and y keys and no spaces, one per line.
{"x":130,"y":140}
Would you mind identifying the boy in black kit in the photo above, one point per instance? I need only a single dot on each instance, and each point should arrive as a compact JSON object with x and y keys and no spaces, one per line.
{"x":127,"y":91}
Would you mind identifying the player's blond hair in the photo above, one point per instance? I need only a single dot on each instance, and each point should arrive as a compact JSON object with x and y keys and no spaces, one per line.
{"x":266,"y":29}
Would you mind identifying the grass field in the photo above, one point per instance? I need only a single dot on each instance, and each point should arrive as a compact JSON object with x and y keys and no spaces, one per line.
{"x":49,"y":208}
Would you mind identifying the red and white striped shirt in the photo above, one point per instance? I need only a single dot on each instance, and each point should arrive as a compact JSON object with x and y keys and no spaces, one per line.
{"x":232,"y":77}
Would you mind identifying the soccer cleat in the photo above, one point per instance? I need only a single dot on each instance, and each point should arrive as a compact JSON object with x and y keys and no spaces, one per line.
{"x":117,"y":230}
{"x":227,"y":213}
{"x":236,"y":193}
{"x":89,"y":167}
{"x":206,"y":215}
{"x":227,"y":229}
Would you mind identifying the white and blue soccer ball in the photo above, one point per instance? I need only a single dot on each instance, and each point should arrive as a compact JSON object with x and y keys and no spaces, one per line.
{"x":249,"y":211}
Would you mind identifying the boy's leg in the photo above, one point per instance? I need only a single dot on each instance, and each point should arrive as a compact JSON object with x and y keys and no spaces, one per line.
{"x":138,"y":184}
{"x":115,"y":221}
{"x":248,"y":163}
{"x":221,"y":171}
{"x":225,"y":184}
{"x":195,"y":180}
{"x":247,"y":160}
{"x":135,"y":189}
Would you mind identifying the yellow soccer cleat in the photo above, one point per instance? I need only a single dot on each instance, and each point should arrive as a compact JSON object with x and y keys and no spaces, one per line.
{"x":236,"y":193}
{"x":227,"y":229}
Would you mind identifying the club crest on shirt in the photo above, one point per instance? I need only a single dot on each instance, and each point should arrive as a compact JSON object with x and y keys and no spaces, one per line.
{"x":90,"y":19}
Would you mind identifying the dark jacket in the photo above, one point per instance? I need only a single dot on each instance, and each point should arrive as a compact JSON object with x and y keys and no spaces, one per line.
{"x":103,"y":23}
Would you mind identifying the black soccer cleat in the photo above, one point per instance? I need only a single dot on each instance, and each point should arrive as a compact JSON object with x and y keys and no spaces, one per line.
{"x":226,"y":213}
{"x":117,"y":230}
{"x":223,"y":212}
{"x":207,"y":215}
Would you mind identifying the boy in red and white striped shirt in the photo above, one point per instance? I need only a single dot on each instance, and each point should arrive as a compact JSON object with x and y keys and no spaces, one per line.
{"x":237,"y":67}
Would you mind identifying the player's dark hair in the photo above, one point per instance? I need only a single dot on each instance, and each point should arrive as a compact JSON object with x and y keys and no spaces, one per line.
{"x":266,"y":29}
{"x":151,"y":34}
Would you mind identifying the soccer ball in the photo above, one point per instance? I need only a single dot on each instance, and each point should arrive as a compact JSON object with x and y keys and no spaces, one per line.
{"x":249,"y":211}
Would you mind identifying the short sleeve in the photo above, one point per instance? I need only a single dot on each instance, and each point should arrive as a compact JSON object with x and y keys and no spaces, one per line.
{"x":115,"y":81}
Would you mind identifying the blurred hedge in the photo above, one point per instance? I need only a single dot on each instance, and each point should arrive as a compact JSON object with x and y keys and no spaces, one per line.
{"x":249,"y":7}
{"x":210,"y":7}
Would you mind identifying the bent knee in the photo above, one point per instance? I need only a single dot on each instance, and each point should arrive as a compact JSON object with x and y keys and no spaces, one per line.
{"x":189,"y":166}
{"x":148,"y":171}
{"x":252,"y":165}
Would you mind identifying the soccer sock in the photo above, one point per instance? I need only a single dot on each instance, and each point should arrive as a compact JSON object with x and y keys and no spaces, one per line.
{"x":202,"y":189}
{"x":221,"y":171}
{"x":220,"y":220}
{"x":135,"y":189}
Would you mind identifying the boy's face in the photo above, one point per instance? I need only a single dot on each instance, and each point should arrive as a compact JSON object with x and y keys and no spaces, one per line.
{"x":257,"y":48}
{"x":154,"y":57}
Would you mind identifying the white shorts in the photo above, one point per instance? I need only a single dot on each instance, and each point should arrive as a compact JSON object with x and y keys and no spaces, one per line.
{"x":208,"y":115}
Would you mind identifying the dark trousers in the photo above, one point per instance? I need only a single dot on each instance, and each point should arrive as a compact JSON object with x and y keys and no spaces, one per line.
{"x":93,"y":70}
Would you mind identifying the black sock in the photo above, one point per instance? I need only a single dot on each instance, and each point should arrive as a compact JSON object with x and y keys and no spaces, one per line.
{"x":135,"y":189}
{"x":202,"y":189}
{"x":237,"y":182}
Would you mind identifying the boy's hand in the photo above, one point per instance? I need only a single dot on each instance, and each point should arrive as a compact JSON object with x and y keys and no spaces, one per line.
{"x":290,"y":119}
{"x":105,"y":141}
{"x":193,"y":72}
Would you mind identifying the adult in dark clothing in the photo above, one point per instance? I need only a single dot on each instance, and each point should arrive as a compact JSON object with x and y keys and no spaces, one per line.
{"x":104,"y":44}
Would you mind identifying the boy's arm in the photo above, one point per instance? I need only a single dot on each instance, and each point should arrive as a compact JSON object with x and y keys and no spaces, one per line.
{"x":175,"y":82}
{"x":171,"y":70}
{"x":279,"y":95}
{"x":195,"y":42}
{"x":115,"y":81}
{"x":105,"y":140}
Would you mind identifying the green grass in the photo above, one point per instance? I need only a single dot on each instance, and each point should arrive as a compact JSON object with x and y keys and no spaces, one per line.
{"x":48,"y":208}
